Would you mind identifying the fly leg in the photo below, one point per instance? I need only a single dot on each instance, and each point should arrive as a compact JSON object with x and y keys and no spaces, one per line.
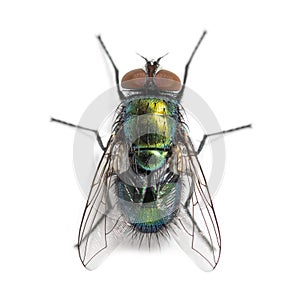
{"x":121,"y":95}
{"x":83,"y":128}
{"x":205,"y":136}
{"x":186,"y":70}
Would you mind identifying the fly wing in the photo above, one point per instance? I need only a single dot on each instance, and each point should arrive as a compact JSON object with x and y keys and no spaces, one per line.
{"x":197,"y":231}
{"x":102,"y":227}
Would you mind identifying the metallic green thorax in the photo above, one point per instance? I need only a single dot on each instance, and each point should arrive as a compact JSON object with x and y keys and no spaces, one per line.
{"x":149,"y":126}
{"x":151,"y":106}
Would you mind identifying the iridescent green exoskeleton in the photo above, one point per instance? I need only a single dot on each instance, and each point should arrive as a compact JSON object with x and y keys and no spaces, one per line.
{"x":149,"y":182}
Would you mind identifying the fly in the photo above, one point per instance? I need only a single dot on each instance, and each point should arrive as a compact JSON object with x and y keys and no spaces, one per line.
{"x":149,"y":182}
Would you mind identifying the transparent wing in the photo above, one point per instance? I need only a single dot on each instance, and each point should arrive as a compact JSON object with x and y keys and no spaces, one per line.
{"x":102,"y":227}
{"x":197,"y":231}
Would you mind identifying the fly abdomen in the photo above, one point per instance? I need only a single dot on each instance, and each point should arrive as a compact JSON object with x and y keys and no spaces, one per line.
{"x":151,"y":208}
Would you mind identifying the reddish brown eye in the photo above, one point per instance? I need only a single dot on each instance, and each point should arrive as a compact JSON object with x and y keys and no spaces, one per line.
{"x":134,"y":79}
{"x":167,"y":81}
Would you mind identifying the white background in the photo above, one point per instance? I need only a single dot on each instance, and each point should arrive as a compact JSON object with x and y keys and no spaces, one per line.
{"x":247,"y":69}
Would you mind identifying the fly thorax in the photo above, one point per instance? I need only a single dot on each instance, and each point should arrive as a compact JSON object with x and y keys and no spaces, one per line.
{"x":149,"y":128}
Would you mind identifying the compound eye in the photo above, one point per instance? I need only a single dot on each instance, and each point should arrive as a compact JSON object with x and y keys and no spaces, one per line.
{"x":134,"y":79}
{"x":168,"y":81}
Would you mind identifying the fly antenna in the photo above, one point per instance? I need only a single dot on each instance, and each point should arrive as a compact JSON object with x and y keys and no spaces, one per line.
{"x":143,"y":57}
{"x":161,"y":57}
